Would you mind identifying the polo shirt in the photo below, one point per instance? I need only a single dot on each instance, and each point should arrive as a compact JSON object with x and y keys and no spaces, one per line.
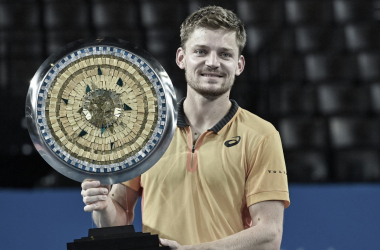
{"x":201,"y":193}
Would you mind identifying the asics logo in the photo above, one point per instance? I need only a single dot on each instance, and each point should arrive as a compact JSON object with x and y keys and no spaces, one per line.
{"x":233,"y":142}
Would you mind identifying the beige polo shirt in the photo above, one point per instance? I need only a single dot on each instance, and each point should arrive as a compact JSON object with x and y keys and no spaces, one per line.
{"x":201,"y":193}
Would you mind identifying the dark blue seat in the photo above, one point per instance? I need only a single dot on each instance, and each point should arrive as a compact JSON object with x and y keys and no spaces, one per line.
{"x":68,"y":14}
{"x":163,"y":14}
{"x":21,"y":72}
{"x":340,"y":99}
{"x":293,"y":100}
{"x":195,"y":5}
{"x":19,"y":15}
{"x":363,"y":36}
{"x":115,"y":14}
{"x":357,"y":165}
{"x":308,"y":12}
{"x":375,"y":97}
{"x":269,"y":12}
{"x":55,"y":39}
{"x":314,"y":38}
{"x":354,"y":132}
{"x":303,"y":132}
{"x":306,"y":166}
{"x":330,"y":66}
{"x":348,"y":11}
{"x":369,"y":65}
{"x":286,"y":68}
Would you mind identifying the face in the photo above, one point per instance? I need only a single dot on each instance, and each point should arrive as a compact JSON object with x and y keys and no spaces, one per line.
{"x":211,"y":61}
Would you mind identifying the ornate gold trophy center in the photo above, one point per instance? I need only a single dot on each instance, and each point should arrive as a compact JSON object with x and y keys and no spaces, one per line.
{"x":102,"y":107}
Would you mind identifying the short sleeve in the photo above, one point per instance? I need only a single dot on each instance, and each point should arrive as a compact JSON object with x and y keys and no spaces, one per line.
{"x":266,"y":174}
{"x":135,"y":183}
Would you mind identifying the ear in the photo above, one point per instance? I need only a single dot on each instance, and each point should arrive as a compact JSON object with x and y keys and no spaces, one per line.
{"x":240,"y":66}
{"x":180,"y":58}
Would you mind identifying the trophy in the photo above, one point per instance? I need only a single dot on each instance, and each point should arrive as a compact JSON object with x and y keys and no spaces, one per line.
{"x":102,"y":109}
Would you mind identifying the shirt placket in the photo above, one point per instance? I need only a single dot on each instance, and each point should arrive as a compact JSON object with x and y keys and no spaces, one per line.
{"x":192,"y":154}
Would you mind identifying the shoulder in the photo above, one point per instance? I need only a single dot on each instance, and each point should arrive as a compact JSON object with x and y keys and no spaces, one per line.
{"x":252,"y":124}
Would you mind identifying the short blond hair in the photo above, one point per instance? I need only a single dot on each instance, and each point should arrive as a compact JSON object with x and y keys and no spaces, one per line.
{"x":213,"y":17}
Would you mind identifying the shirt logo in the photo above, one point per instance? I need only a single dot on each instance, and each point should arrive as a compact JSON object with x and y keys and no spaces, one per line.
{"x":233,"y":142}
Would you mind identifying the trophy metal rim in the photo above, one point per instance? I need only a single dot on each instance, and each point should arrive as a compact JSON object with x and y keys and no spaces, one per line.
{"x":109,"y":177}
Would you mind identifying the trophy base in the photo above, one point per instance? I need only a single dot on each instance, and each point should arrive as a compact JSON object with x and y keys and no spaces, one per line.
{"x":115,"y":238}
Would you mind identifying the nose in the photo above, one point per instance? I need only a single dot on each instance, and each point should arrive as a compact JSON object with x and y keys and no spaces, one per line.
{"x":212,"y":60}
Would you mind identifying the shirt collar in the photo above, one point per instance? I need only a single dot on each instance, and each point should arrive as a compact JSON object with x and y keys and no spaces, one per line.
{"x":181,"y":121}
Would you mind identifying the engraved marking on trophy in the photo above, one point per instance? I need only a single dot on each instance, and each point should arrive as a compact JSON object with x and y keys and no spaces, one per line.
{"x":82,"y":133}
{"x":126,"y":107}
{"x":120,"y":82}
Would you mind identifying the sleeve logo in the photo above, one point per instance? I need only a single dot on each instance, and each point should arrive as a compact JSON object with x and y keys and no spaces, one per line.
{"x":232,"y":142}
{"x":276,"y":172}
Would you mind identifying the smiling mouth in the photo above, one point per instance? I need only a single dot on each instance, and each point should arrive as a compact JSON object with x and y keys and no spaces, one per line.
{"x":211,"y":75}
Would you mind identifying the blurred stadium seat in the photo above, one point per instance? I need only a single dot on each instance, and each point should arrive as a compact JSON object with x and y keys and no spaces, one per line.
{"x":335,"y":100}
{"x":313,"y":38}
{"x":18,"y":43}
{"x":287,"y":68}
{"x":306,"y":166}
{"x":346,"y":11}
{"x":354,"y":132}
{"x":66,"y":14}
{"x":363,"y":36}
{"x":115,"y":14}
{"x":303,"y":133}
{"x":19,"y":14}
{"x":330,"y":66}
{"x":357,"y":166}
{"x":308,"y":11}
{"x":369,"y":65}
{"x":270,"y":12}
{"x":55,"y":39}
{"x":22,"y":71}
{"x":162,"y":14}
{"x":118,"y":19}
{"x":294,"y":100}
{"x":195,"y":5}
{"x":375,"y":97}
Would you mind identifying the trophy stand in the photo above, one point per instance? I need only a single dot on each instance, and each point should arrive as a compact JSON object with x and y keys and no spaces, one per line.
{"x":115,"y":238}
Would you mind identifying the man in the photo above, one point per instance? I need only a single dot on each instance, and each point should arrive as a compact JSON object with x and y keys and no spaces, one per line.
{"x":222,"y":182}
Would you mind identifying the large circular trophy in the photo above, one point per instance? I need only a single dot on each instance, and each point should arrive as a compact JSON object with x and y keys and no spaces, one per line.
{"x":101,"y":109}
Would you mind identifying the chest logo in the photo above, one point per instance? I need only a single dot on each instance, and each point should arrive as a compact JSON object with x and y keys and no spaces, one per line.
{"x":233,"y":142}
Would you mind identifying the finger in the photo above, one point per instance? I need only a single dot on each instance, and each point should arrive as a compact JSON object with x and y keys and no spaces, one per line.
{"x":97,"y":206}
{"x":162,"y":241}
{"x":171,"y":243}
{"x":94,"y":191}
{"x":92,"y":199}
{"x":86,"y":184}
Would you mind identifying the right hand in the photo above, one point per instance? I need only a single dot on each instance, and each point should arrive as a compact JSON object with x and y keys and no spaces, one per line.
{"x":95,"y":196}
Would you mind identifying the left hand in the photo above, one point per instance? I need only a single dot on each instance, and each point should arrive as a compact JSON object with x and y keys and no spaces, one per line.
{"x":172,"y":244}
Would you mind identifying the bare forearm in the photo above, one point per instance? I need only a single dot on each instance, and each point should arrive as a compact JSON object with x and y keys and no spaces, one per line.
{"x":113,"y":215}
{"x":256,"y":238}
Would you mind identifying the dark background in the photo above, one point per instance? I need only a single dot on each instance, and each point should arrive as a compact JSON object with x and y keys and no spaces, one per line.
{"x":313,"y":70}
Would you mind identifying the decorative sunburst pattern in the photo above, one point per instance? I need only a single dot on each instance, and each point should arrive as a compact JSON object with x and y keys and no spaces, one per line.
{"x":101,"y":109}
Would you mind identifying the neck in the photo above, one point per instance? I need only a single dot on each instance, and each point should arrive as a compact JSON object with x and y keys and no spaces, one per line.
{"x":203,"y":113}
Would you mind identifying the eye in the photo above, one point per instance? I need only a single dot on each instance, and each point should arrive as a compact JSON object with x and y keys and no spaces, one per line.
{"x":226,"y":55}
{"x":200,"y":52}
